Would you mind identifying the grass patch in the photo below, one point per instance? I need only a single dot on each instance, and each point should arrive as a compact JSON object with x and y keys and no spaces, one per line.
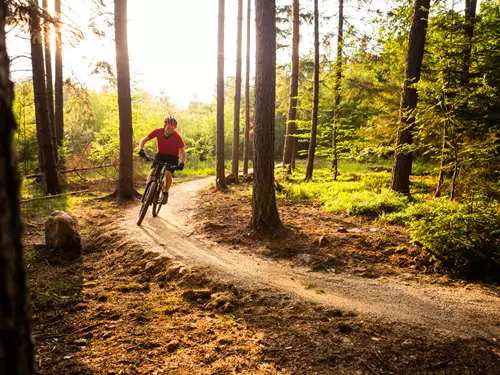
{"x":133,"y":287}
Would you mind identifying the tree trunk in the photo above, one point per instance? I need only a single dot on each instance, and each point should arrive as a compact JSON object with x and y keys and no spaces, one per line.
{"x":16,"y":345}
{"x":444,"y":146}
{"x":470,"y":18}
{"x":59,"y":106}
{"x":314,"y":126}
{"x":246,"y":140}
{"x":237,"y":96}
{"x":219,"y":171}
{"x":402,"y":164}
{"x":265,"y":217}
{"x":41,"y":104}
{"x":291,"y":128}
{"x":48,"y":75}
{"x":336,"y":100}
{"x":126,"y":188}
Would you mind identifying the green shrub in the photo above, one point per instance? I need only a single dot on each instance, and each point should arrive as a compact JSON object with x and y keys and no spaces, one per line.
{"x":465,"y":240}
{"x":366,"y":203}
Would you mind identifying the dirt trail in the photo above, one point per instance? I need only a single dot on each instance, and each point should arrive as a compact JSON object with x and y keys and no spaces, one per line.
{"x":446,"y":311}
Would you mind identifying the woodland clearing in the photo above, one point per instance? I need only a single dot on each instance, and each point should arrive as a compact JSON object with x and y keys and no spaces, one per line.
{"x":195,"y":291}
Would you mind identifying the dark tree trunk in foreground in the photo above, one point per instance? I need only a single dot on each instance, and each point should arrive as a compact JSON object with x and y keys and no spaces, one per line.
{"x":291,"y":127}
{"x":401,"y":167}
{"x":237,"y":96}
{"x":126,"y":188}
{"x":246,"y":139}
{"x":58,"y":110}
{"x":336,"y":100}
{"x":52,"y":183}
{"x":48,"y":75}
{"x":16,"y":346}
{"x":220,"y":177}
{"x":314,"y":127}
{"x":265,"y":216}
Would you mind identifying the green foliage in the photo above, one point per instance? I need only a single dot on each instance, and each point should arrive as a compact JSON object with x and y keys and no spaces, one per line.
{"x":464,"y":238}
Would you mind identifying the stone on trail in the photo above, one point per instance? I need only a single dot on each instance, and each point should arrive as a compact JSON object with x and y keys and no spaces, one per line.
{"x":62,"y":233}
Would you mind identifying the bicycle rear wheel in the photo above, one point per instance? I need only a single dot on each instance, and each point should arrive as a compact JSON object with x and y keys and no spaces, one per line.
{"x":149,"y":194}
{"x":157,"y":202}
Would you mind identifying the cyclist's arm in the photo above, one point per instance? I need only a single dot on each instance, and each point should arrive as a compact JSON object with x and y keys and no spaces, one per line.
{"x":143,"y":142}
{"x":182,"y":155}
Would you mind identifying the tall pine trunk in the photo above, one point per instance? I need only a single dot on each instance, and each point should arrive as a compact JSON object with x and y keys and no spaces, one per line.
{"x":246,"y":139}
{"x":265,"y":217}
{"x":16,"y":345}
{"x":52,"y":183}
{"x":59,"y":104}
{"x":336,"y":100}
{"x":219,"y":171}
{"x":291,"y":127}
{"x":126,"y":188}
{"x":402,"y":164}
{"x":470,"y":20}
{"x":237,"y":96}
{"x":314,"y":126}
{"x":48,"y":74}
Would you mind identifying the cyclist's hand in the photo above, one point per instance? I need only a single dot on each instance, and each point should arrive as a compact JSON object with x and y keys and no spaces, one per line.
{"x":142,"y":154}
{"x":181,"y":166}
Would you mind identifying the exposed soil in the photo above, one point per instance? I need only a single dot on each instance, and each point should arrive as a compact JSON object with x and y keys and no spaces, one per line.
{"x":195,"y":291}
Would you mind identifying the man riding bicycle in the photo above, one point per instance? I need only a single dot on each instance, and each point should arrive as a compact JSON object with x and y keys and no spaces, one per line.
{"x":171,"y":150}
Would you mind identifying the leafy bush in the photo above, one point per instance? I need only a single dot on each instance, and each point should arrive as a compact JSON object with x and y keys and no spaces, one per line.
{"x":466,"y":241}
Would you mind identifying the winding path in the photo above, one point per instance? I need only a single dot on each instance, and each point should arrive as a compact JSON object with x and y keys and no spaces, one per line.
{"x":454,"y":312}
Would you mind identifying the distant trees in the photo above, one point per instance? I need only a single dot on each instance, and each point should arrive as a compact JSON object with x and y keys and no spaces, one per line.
{"x":125,"y":189}
{"x":16,"y":345}
{"x":265,"y":215}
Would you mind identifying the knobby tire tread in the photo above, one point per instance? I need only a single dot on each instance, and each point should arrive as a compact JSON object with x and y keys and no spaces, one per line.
{"x":150,"y":193}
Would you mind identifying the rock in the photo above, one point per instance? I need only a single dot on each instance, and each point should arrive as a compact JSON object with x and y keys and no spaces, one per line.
{"x":62,"y":233}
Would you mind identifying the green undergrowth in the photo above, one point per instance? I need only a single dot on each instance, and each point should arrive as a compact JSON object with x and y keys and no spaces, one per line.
{"x":464,"y":236}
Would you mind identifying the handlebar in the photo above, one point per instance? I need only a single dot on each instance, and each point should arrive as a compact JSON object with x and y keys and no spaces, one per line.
{"x":171,"y":167}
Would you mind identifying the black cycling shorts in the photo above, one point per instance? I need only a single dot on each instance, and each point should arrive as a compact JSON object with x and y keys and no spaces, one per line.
{"x":165,"y":158}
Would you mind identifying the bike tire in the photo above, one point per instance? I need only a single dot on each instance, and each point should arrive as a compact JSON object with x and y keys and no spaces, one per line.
{"x":149,"y":195}
{"x":157,"y":203}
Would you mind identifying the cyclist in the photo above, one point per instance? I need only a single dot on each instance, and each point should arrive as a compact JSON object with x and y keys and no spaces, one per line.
{"x":171,"y":150}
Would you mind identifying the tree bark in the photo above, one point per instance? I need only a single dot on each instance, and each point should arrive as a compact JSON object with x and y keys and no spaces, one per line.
{"x":291,"y":128}
{"x":402,"y":164}
{"x":16,"y":345}
{"x":59,"y":104}
{"x":265,"y":217}
{"x":470,"y":20}
{"x":237,"y":96}
{"x":246,"y":139}
{"x":219,"y":171}
{"x":336,"y":100}
{"x":48,"y":74}
{"x":52,"y":183}
{"x":126,"y":188}
{"x":314,"y":126}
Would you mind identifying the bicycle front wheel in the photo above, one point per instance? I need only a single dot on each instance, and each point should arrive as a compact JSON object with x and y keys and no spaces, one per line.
{"x":149,"y":194}
{"x":157,"y":202}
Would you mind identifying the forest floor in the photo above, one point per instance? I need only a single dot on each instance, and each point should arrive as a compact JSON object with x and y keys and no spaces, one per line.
{"x":195,"y":291}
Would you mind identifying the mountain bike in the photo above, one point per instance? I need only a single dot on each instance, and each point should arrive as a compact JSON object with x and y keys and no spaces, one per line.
{"x":153,"y":194}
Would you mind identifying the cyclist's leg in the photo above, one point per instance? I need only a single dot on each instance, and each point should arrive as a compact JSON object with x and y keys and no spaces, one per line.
{"x":167,"y":181}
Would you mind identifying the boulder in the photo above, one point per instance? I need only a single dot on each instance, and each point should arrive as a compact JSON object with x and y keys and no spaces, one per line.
{"x":62,"y":234}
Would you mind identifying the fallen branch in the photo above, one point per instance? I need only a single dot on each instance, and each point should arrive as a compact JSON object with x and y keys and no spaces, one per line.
{"x":72,"y":170}
{"x":54,"y":196}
